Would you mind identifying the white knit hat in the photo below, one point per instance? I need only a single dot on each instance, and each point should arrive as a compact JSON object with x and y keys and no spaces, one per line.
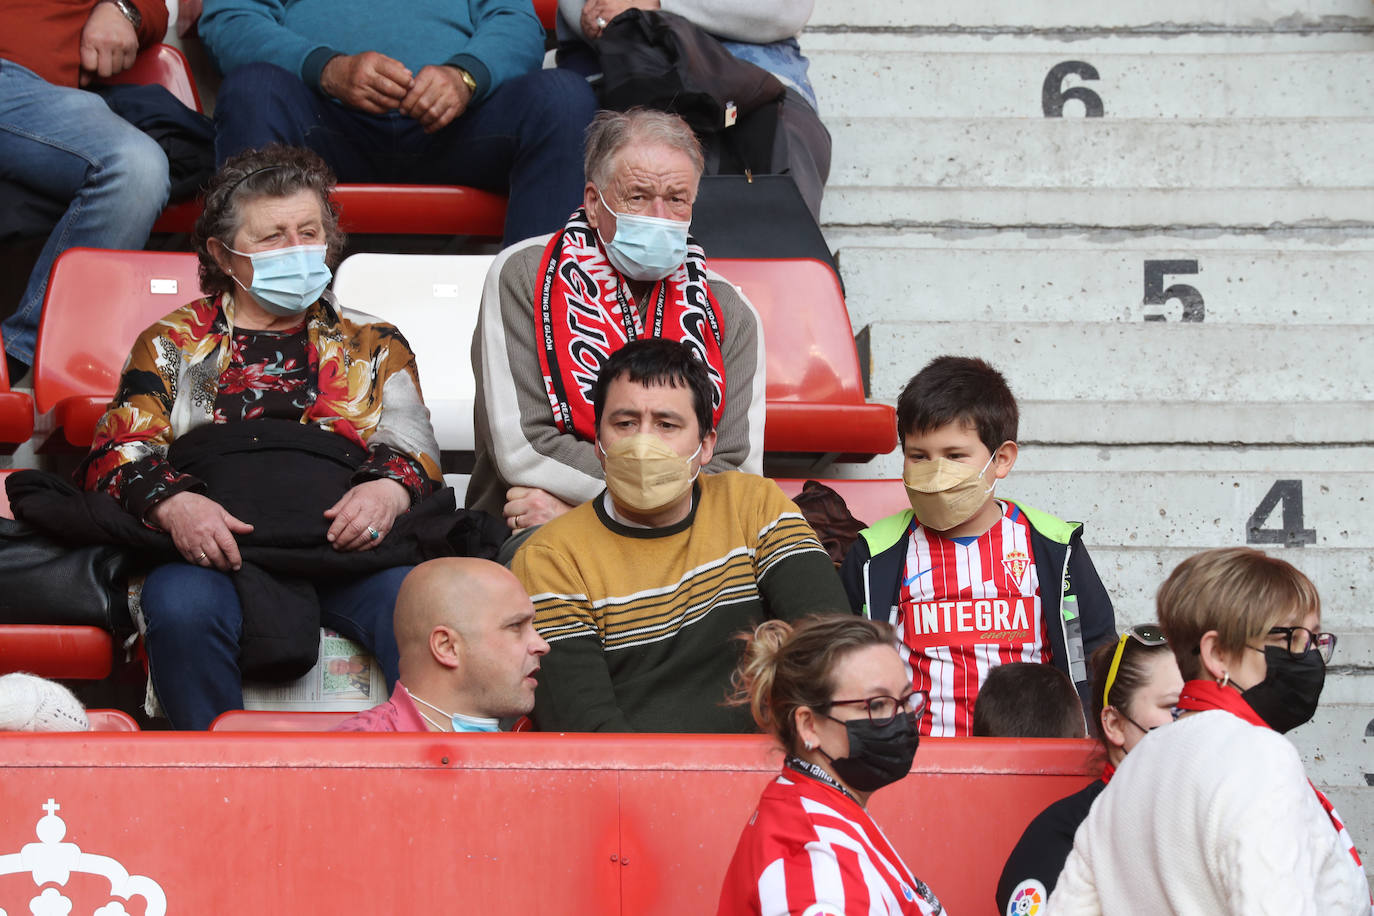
{"x":33,"y":704}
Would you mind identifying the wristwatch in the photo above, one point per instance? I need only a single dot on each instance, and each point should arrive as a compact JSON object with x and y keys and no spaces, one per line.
{"x":130,"y":12}
{"x":467,"y":77}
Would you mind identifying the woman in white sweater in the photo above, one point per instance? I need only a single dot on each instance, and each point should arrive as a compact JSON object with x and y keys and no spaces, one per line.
{"x":1214,"y":813}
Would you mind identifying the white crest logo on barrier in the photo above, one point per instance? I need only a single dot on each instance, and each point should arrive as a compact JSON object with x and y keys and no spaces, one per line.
{"x":51,"y":861}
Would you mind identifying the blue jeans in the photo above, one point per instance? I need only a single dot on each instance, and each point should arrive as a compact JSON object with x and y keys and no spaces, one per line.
{"x":524,"y":140}
{"x":68,"y":145}
{"x":195,"y":622}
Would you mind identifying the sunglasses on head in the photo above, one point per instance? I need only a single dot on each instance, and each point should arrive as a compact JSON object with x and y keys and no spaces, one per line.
{"x":1147,"y":634}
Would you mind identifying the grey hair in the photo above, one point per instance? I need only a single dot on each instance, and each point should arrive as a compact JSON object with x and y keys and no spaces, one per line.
{"x":275,"y":170}
{"x":612,"y":131}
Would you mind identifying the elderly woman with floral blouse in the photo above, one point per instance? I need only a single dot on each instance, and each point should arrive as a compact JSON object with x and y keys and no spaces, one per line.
{"x":267,"y":357}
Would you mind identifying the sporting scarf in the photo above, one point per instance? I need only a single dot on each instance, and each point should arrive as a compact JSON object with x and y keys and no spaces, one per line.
{"x":585,"y":312}
{"x":1204,"y":695}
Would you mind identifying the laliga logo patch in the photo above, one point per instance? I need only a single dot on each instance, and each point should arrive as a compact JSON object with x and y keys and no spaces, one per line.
{"x":1028,"y":899}
{"x":1017,"y":565}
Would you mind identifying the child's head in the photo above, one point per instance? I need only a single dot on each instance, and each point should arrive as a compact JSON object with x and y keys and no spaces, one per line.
{"x":959,"y":391}
{"x":959,"y":409}
{"x":1027,"y":700}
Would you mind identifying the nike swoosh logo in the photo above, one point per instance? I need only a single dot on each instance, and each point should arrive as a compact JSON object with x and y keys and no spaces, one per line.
{"x":917,"y":576}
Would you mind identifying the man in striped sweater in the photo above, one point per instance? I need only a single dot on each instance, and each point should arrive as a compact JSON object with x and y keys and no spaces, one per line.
{"x":641,"y":590}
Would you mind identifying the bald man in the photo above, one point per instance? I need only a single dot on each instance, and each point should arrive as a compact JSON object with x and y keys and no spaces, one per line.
{"x":469,"y":651}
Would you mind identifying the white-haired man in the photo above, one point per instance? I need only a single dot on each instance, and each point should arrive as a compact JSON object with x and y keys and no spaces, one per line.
{"x":555,"y":308}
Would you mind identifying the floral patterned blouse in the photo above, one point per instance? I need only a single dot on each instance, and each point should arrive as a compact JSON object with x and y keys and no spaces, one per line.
{"x":342,"y":371}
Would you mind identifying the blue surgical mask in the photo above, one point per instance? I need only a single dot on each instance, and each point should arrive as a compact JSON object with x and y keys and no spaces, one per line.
{"x":645,"y":247}
{"x":460,"y":722}
{"x":287,"y":280}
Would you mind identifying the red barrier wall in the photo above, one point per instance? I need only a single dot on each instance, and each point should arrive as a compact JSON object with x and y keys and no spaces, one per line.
{"x":490,"y":824}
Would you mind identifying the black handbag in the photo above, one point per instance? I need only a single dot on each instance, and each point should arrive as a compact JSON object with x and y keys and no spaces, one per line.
{"x":654,"y":59}
{"x":43,"y":581}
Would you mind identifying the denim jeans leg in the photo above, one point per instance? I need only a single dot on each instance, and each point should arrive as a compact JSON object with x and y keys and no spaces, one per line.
{"x":67,"y":144}
{"x":259,"y":103}
{"x":526,"y":138}
{"x":361,"y":609}
{"x":195,"y":624}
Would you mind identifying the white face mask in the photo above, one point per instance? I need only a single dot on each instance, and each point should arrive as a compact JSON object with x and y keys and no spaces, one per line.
{"x":645,"y":247}
{"x":644,"y":474}
{"x":944,"y":493}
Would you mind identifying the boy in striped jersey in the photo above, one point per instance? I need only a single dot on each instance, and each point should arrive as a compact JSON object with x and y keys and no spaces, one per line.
{"x":642,"y":591}
{"x":968,"y":580}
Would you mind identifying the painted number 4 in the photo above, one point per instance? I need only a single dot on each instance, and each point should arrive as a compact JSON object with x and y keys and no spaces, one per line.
{"x":1291,"y":533}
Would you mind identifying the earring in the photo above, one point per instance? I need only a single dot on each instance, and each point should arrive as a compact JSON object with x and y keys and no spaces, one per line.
{"x":809,"y":746}
{"x":1225,"y":678}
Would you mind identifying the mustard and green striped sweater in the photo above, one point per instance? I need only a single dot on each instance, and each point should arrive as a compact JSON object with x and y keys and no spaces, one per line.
{"x":641,"y":622}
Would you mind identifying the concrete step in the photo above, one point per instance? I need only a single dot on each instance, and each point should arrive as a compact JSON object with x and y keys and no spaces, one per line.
{"x":1141,"y":362}
{"x":1344,"y":578}
{"x":1108,"y":284}
{"x":919,"y":83}
{"x":1194,"y":511}
{"x":1103,"y":153}
{"x":1076,"y":45}
{"x":1135,"y":210}
{"x":1335,"y":746}
{"x":1164,"y":17}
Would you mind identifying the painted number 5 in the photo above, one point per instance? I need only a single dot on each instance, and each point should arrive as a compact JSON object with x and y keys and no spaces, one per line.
{"x":1155,"y":293}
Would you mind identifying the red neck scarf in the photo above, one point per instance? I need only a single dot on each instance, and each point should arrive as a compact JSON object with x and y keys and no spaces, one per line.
{"x":1203,"y":695}
{"x":584,"y":313}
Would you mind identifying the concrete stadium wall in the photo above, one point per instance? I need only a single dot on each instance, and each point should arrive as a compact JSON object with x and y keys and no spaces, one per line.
{"x":1158,"y":220}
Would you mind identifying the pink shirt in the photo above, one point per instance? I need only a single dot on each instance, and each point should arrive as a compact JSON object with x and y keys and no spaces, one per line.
{"x":398,"y":714}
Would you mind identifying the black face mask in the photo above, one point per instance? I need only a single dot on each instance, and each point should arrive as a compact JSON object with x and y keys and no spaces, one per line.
{"x":879,"y":755}
{"x":1288,"y":695}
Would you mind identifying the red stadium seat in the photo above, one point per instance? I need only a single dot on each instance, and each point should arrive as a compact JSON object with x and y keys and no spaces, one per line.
{"x":84,"y":653}
{"x":16,"y":409}
{"x":547,"y":11}
{"x":816,"y":401}
{"x":868,"y":500}
{"x":111,"y":720}
{"x":262,"y":720}
{"x":165,"y":66}
{"x":97,"y":303}
{"x":386,"y":209}
{"x":81,"y":653}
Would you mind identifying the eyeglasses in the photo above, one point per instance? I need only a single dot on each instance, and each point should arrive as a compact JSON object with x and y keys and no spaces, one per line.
{"x":882,"y":710}
{"x":1301,"y":640}
{"x":1147,"y":634}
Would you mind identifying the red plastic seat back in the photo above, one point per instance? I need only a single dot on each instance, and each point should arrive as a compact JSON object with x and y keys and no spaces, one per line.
{"x":111,"y":720}
{"x":547,"y":11}
{"x":165,"y":66}
{"x":16,"y":408}
{"x":98,"y":302}
{"x":811,"y":353}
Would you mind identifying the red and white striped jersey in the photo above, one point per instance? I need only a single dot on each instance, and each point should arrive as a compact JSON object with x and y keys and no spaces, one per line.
{"x":965,"y":606}
{"x":810,"y":850}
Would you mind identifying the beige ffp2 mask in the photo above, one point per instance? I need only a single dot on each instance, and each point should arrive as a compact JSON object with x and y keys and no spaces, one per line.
{"x":945,"y":493}
{"x":643,"y":473}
